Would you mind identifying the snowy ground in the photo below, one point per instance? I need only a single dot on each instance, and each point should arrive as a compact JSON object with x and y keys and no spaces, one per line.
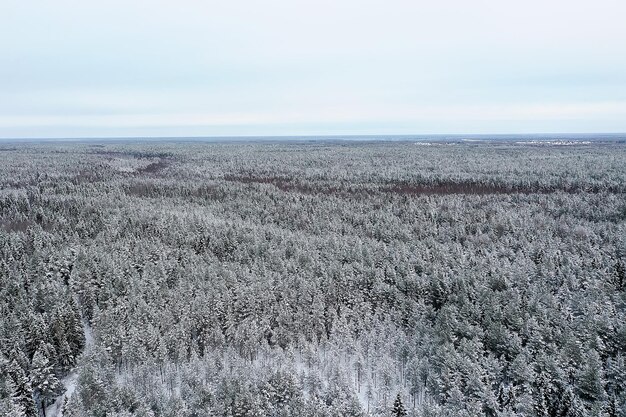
{"x":56,"y":409}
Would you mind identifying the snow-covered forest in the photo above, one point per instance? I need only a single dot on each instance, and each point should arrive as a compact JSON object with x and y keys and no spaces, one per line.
{"x":312,"y":279}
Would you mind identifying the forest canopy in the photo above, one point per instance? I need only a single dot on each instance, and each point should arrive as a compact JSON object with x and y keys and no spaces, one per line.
{"x":312,"y":279}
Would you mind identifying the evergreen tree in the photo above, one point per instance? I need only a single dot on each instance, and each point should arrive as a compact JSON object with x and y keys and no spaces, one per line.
{"x":590,"y":379}
{"x":10,"y":405}
{"x":43,"y":379}
{"x":398,"y":409}
{"x":22,"y":391}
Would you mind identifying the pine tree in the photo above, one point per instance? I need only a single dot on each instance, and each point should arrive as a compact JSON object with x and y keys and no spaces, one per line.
{"x":590,"y":379}
{"x":43,"y":379}
{"x":9,"y":400}
{"x":398,"y":409}
{"x":22,"y":392}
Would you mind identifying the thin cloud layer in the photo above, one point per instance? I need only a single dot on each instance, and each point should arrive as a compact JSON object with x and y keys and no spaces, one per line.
{"x":281,"y":68}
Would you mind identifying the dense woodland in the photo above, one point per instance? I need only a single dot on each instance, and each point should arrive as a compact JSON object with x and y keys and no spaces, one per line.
{"x":312,"y":279}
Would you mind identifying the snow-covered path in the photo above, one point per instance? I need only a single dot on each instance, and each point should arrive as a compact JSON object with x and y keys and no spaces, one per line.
{"x":56,"y":409}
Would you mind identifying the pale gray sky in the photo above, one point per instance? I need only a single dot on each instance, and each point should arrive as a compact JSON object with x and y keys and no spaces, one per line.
{"x":290,"y":67}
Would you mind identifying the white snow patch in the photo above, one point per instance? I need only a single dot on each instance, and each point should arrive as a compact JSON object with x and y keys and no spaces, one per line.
{"x":88,"y":335}
{"x":129,"y":164}
{"x":56,"y":409}
{"x":554,"y":142}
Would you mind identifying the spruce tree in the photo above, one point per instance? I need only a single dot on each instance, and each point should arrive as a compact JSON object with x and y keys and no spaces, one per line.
{"x":398,"y":409}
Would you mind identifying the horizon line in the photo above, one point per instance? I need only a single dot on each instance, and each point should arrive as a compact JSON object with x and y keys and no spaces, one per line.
{"x":588,"y":135}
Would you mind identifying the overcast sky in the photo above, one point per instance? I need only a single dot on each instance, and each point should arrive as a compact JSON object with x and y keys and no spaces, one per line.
{"x":292,"y":67}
